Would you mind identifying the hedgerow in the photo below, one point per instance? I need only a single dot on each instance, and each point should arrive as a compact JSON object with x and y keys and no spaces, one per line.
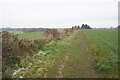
{"x":13,"y":48}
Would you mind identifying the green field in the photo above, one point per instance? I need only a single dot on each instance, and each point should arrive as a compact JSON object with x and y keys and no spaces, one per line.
{"x":105,"y":49}
{"x":90,"y":53}
{"x":106,"y":39}
{"x":31,"y":35}
{"x":15,"y":31}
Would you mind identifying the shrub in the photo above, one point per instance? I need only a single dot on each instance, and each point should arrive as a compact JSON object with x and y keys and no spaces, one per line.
{"x":68,"y":31}
{"x":39,"y":43}
{"x":52,"y":33}
{"x":13,"y":47}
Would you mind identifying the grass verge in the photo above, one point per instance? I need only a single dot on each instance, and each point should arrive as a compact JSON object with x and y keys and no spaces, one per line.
{"x":39,"y":64}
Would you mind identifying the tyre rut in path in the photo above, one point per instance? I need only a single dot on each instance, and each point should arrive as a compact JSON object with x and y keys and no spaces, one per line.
{"x":60,"y":67}
{"x":78,"y":61}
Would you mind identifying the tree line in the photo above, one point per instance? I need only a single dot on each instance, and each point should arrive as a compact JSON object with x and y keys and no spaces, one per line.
{"x":84,"y":26}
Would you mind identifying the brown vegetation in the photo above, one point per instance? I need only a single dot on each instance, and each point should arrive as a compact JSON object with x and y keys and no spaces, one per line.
{"x":68,"y":31}
{"x":14,"y":47}
{"x":50,"y":34}
{"x":54,"y":34}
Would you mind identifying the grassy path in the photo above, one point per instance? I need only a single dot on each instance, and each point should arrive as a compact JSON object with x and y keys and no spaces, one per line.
{"x":78,"y":61}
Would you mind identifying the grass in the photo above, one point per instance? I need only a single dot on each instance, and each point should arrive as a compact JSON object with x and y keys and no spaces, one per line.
{"x":39,"y":65}
{"x":106,"y":39}
{"x":105,"y":47}
{"x":87,"y":51}
{"x":80,"y":60}
{"x":65,"y":45}
{"x":31,"y":35}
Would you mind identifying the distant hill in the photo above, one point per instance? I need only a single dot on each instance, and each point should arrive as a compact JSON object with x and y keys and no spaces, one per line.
{"x":33,"y":29}
{"x":24,"y":29}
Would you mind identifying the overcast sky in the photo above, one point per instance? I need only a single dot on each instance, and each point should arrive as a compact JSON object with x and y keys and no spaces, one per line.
{"x":58,"y":13}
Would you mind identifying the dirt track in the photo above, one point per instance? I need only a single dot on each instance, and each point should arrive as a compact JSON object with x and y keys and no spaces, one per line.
{"x":78,"y":61}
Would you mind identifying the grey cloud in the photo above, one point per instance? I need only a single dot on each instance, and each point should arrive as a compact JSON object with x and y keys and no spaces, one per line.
{"x":58,"y":13}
